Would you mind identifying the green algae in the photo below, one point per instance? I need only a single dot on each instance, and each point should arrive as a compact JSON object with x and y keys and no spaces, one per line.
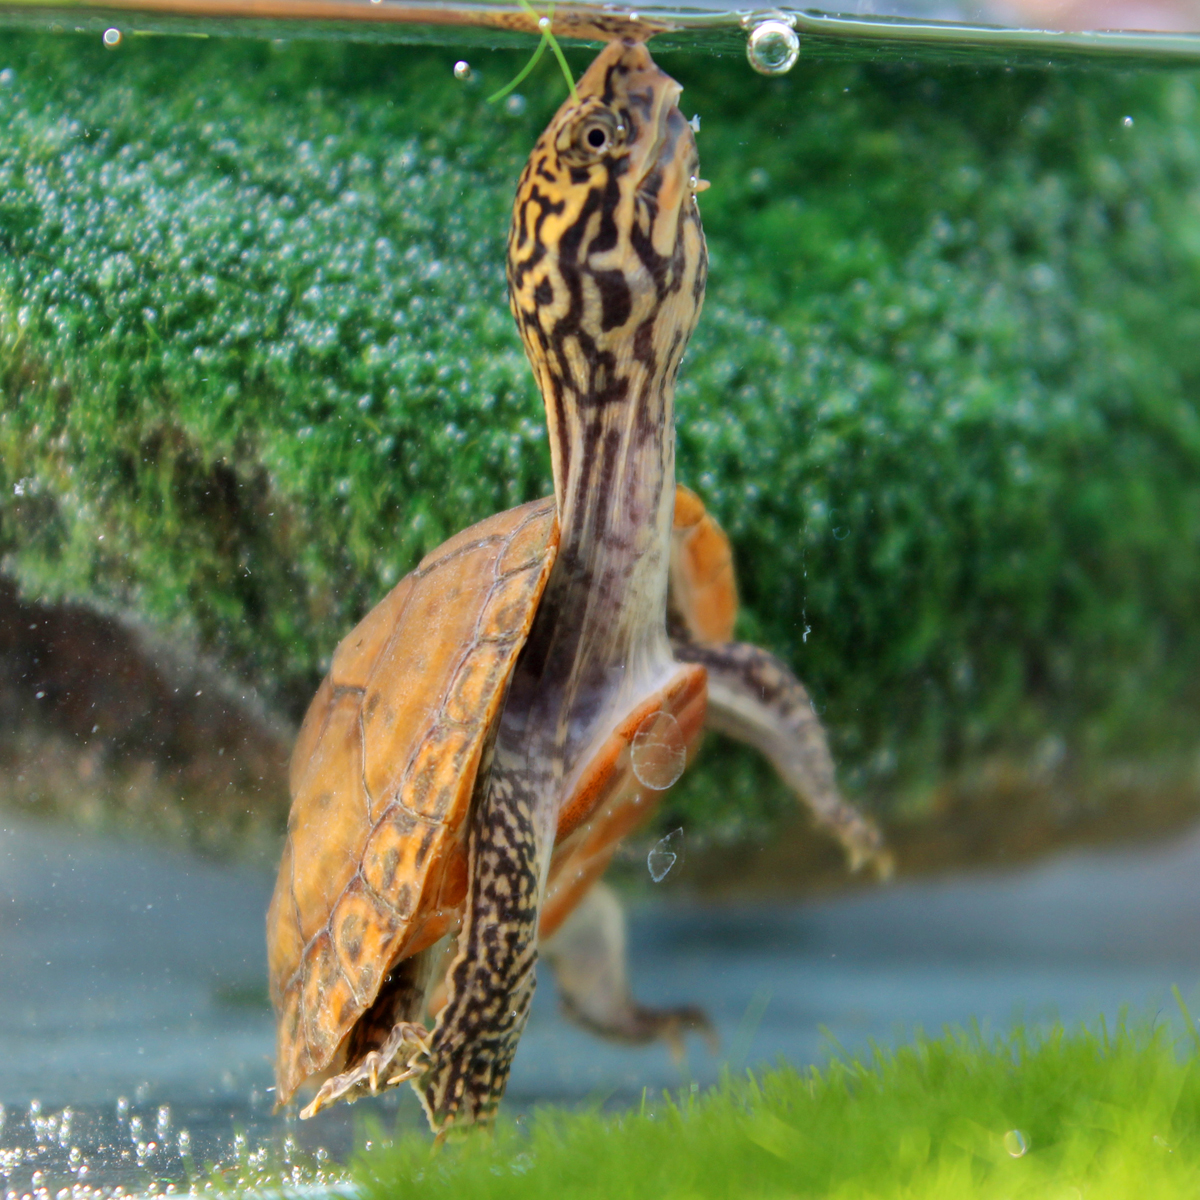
{"x":256,"y":360}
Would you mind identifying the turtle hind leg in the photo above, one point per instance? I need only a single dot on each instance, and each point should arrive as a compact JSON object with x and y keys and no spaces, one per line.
{"x":491,"y":980}
{"x":384,"y":1041}
{"x":754,"y":698}
{"x":587,"y":956}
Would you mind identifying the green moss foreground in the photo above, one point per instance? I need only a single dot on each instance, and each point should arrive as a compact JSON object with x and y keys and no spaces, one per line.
{"x":959,"y":1118}
{"x":256,"y":359}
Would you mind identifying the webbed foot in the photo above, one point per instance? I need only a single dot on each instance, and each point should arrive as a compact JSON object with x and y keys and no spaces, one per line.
{"x":406,"y":1044}
{"x":587,"y":955}
{"x":637,"y":1025}
{"x":755,"y":698}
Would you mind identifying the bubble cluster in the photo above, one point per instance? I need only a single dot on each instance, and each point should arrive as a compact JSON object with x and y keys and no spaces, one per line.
{"x":86,"y":1153}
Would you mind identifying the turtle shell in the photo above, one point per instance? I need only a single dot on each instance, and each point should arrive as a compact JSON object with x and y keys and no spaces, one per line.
{"x":704,"y":596}
{"x":375,"y":864}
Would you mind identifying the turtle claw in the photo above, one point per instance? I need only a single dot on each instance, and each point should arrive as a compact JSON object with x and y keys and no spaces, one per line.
{"x":406,"y":1042}
{"x":674,"y":1023}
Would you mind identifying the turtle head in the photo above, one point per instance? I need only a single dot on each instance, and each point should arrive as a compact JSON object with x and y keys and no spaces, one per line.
{"x":606,"y":257}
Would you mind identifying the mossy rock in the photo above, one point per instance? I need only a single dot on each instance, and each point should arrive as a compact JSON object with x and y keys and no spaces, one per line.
{"x":256,"y":360}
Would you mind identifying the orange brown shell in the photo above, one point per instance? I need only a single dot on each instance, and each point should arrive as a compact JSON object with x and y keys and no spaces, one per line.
{"x":375,"y":866}
{"x":703,"y":587}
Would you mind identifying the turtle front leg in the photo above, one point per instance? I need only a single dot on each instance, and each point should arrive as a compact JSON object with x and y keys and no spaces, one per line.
{"x":587,"y":956}
{"x":753,"y":697}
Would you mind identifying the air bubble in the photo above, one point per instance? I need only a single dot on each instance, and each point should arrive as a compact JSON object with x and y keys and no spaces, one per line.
{"x":163,"y":1120}
{"x":1015,"y":1143}
{"x":773,"y":48}
{"x":122,"y":1107}
{"x":666,"y":853}
{"x":659,"y":753}
{"x":462,"y":69}
{"x":185,"y":1143}
{"x":7,"y":76}
{"x":112,"y":38}
{"x":515,"y":105}
{"x":1127,"y":122}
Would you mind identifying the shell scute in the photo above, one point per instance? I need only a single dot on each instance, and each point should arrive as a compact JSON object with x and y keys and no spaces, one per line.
{"x":384,"y":859}
{"x":325,"y":989}
{"x":309,"y":735}
{"x":327,"y":824}
{"x":363,"y":926}
{"x":504,"y":606}
{"x":359,"y":650}
{"x":703,"y":585}
{"x":375,"y":864}
{"x":403,"y":702}
{"x":433,"y":782}
{"x":527,"y":546}
{"x":477,"y":678}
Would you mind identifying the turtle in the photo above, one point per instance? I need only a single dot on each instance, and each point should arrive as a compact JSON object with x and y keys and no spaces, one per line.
{"x":518,"y":703}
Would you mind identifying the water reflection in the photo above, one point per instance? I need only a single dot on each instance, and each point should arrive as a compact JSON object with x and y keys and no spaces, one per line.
{"x":135,"y":1037}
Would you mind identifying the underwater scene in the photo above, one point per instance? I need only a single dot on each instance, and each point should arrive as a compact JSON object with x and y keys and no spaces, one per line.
{"x":695,"y":510}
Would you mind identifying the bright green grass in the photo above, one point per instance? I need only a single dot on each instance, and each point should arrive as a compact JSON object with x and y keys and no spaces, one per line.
{"x":960,"y":1118}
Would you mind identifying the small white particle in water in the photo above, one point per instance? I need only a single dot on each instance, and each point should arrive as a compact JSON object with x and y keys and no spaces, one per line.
{"x":1015,"y":1143}
{"x":7,"y":76}
{"x":543,"y":22}
{"x":112,"y":38}
{"x":695,"y":123}
{"x":1127,"y":122}
{"x":38,"y":695}
{"x":515,"y":105}
{"x":462,"y":70}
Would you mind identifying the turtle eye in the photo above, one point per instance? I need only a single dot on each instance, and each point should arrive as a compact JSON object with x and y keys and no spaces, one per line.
{"x":599,"y":133}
